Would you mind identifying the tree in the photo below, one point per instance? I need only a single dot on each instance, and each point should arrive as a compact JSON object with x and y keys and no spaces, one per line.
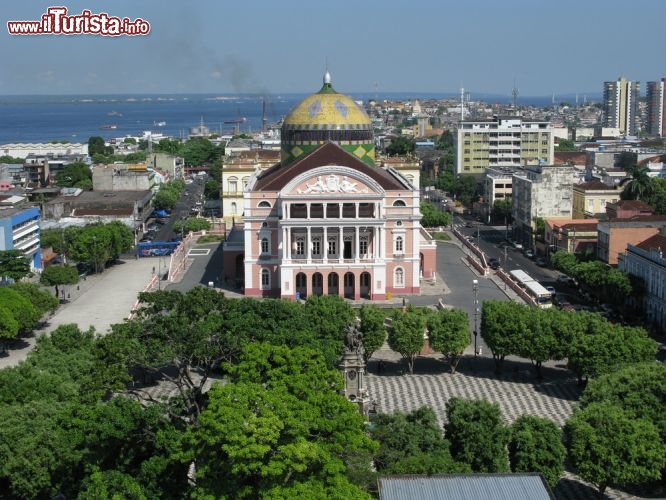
{"x":21,"y":308}
{"x":536,"y":445}
{"x":184,"y":332}
{"x":448,"y":333}
{"x":400,"y":146}
{"x":326,"y":317}
{"x":73,"y":174}
{"x":372,"y":329}
{"x":657,"y":198}
{"x":9,"y":327}
{"x":464,"y":187}
{"x":477,"y":434}
{"x":212,"y":190}
{"x":165,"y":199}
{"x":609,"y":446}
{"x":565,"y":145}
{"x":96,"y":145}
{"x":504,"y":327}
{"x":540,"y":343}
{"x":600,"y":347}
{"x":431,"y":216}
{"x":501,"y":211}
{"x":198,"y":151}
{"x":42,"y":300}
{"x":412,"y":443}
{"x":59,"y":275}
{"x":406,"y":334}
{"x":639,"y":185}
{"x":279,"y":422}
{"x":169,"y":146}
{"x":13,"y":264}
{"x":636,"y":388}
{"x":190,"y":225}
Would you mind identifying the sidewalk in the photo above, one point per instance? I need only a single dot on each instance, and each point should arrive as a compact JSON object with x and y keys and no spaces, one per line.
{"x":98,"y":301}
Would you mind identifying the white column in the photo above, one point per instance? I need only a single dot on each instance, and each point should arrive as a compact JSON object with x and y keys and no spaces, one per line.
{"x":308,"y":242}
{"x":340,"y":209}
{"x":356,"y":205}
{"x":324,"y":245}
{"x":357,"y":254}
{"x":284,"y":211}
{"x":307,"y":213}
{"x":341,"y":243}
{"x":282,"y":254}
{"x":375,"y":246}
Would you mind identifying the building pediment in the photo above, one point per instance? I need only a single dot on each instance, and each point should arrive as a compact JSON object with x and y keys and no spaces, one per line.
{"x":332,"y":181}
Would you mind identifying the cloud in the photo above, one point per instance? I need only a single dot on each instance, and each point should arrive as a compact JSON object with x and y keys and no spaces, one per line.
{"x":47,"y":76}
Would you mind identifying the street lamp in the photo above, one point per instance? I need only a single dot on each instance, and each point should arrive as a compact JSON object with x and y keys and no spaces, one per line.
{"x":476,"y":312}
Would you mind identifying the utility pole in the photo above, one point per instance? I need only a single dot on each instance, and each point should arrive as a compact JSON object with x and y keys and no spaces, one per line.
{"x":475,"y":284}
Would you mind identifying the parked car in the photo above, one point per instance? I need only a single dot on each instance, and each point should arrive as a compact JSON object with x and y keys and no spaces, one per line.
{"x":566,"y":280}
{"x":529,"y":254}
{"x":494,"y":263}
{"x":551,"y":289}
{"x":516,"y":245}
{"x":540,"y":261}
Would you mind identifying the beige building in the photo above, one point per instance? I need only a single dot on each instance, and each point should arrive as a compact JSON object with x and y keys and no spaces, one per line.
{"x":505,"y":141}
{"x":124,"y":177}
{"x":236,"y":173}
{"x":590,"y":198}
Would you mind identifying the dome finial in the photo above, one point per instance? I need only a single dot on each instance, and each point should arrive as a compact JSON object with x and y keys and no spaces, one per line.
{"x":327,"y":78}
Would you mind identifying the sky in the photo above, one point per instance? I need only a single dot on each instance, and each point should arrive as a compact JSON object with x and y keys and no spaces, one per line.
{"x":260,"y":46}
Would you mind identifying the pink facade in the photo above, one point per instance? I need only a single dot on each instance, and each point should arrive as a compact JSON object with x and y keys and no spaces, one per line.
{"x":330,"y":224}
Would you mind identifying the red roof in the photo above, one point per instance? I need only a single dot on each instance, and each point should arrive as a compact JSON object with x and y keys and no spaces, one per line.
{"x":277,"y":177}
{"x":575,"y":157}
{"x":656,"y":241}
{"x":595,"y":186}
{"x":634,"y":205}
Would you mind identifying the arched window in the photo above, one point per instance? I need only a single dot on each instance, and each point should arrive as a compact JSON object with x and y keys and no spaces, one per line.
{"x":399,"y":244}
{"x":399,"y":203}
{"x":233,"y":208}
{"x":265,"y":279}
{"x":264,"y":204}
{"x":399,"y":277}
{"x":264,"y":245}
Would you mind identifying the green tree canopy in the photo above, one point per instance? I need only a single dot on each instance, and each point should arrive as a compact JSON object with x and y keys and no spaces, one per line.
{"x":39,"y":297}
{"x":536,"y":445}
{"x":372,"y":328}
{"x":96,"y":145}
{"x":21,"y":308}
{"x":431,"y":216}
{"x":279,"y":422}
{"x":406,"y":334}
{"x":638,"y":389}
{"x":59,"y":275}
{"x":73,"y":174}
{"x":477,"y":434}
{"x":565,"y":145}
{"x":13,"y":264}
{"x":448,"y":333}
{"x":400,"y":146}
{"x":412,"y":443}
{"x":608,"y":446}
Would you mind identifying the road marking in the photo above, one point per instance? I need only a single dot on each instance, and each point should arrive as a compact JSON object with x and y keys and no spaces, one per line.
{"x":198,"y":252}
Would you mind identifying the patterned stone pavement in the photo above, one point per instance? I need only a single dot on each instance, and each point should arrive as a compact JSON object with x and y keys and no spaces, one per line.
{"x":516,"y":391}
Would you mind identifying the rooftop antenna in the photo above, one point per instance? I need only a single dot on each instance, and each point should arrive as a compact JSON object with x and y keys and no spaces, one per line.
{"x":263,"y":114}
{"x":462,"y":103}
{"x":514,"y":92}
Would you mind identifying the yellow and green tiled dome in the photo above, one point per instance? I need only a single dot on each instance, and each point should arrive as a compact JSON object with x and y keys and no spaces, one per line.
{"x":327,"y":116}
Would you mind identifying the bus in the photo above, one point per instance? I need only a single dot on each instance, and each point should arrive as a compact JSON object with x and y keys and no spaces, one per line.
{"x":542,"y":297}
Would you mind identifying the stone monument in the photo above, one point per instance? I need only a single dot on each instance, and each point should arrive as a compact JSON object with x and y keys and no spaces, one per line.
{"x":353,"y":368}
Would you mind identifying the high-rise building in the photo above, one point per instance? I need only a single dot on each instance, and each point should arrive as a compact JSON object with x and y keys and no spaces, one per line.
{"x":504,"y":141}
{"x":656,"y":110}
{"x":621,"y":105}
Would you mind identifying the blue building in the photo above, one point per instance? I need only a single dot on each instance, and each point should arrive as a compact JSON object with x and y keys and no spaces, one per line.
{"x":19,"y":230}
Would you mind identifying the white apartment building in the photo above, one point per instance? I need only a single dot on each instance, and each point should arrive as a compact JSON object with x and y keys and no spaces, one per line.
{"x":647,"y":260}
{"x":504,"y":141}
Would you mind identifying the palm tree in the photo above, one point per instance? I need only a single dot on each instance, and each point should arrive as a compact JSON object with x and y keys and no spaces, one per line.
{"x":638,"y":185}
